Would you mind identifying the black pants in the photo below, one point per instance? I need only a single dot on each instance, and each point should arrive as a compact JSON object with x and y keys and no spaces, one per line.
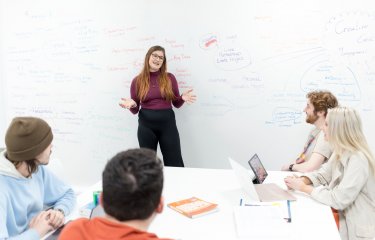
{"x":159,"y":126}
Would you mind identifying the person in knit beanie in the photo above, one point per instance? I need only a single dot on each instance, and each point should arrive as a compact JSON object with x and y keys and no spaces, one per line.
{"x":27,"y":187}
{"x":25,"y":139}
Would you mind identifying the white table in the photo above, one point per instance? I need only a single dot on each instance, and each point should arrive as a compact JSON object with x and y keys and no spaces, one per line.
{"x":310,"y":219}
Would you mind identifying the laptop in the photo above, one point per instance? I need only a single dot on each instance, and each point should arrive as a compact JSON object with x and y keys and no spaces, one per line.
{"x":265,"y":192}
{"x":98,"y":211}
{"x":55,"y":235}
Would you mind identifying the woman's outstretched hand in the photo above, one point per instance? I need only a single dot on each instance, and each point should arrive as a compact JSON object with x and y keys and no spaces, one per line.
{"x":127,"y":103}
{"x":188,"y":96}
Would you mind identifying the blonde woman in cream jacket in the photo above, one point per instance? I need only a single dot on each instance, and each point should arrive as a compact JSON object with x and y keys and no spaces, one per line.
{"x":347,"y":181}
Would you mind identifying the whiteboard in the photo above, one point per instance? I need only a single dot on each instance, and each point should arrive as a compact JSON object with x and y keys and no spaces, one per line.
{"x":251,"y":64}
{"x":2,"y":83}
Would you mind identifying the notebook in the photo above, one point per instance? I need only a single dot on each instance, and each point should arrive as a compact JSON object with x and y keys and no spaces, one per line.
{"x":259,"y":192}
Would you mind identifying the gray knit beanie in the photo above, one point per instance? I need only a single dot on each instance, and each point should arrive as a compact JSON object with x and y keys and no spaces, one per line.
{"x":26,"y":138}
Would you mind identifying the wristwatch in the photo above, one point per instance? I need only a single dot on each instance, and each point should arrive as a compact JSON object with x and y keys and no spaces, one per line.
{"x":60,"y":210}
{"x":291,"y":167}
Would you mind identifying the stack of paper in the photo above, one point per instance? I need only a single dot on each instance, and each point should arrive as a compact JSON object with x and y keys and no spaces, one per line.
{"x":261,"y":220}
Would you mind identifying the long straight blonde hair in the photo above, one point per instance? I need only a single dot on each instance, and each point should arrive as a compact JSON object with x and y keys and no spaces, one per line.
{"x":143,"y":79}
{"x":345,"y":134}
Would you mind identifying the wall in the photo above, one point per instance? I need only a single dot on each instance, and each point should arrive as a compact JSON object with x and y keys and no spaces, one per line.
{"x":251,"y":64}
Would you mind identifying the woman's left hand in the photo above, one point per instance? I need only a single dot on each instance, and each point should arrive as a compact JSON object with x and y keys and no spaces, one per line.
{"x":188,"y":96}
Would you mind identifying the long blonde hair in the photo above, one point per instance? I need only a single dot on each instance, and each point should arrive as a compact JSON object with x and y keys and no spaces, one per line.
{"x":143,"y":79}
{"x":345,"y":134}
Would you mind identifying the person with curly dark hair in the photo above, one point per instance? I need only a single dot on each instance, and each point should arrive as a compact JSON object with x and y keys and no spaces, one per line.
{"x":131,"y":198}
{"x":316,"y":150}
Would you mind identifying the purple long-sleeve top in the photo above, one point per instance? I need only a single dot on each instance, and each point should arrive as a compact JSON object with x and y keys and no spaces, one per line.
{"x":153,"y":99}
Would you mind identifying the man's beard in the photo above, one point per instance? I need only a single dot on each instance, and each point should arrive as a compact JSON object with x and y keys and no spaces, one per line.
{"x":311,"y":118}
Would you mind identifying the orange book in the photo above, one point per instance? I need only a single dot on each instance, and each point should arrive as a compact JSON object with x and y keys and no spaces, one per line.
{"x":193,"y":207}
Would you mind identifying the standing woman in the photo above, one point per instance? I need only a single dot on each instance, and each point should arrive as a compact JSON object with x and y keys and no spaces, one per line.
{"x":347,"y":181}
{"x":152,"y":94}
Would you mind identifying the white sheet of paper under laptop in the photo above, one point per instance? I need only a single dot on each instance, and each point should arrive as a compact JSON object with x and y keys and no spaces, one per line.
{"x":259,"y":192}
{"x":259,"y":222}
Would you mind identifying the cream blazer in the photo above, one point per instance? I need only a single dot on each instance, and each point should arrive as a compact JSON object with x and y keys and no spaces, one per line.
{"x":348,"y":186}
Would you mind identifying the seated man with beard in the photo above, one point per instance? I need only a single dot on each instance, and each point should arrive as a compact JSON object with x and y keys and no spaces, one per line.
{"x":316,"y":150}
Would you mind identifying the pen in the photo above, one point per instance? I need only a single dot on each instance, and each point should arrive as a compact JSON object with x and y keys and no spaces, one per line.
{"x":261,"y":205}
{"x":241,"y":202}
{"x":289,"y":213}
{"x":258,"y":205}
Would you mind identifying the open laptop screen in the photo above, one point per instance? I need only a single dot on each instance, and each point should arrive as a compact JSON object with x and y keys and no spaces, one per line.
{"x":258,"y":169}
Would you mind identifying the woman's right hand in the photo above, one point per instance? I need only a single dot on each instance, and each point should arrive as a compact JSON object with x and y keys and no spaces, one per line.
{"x":188,"y":96}
{"x":127,"y":103}
{"x":41,"y":223}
